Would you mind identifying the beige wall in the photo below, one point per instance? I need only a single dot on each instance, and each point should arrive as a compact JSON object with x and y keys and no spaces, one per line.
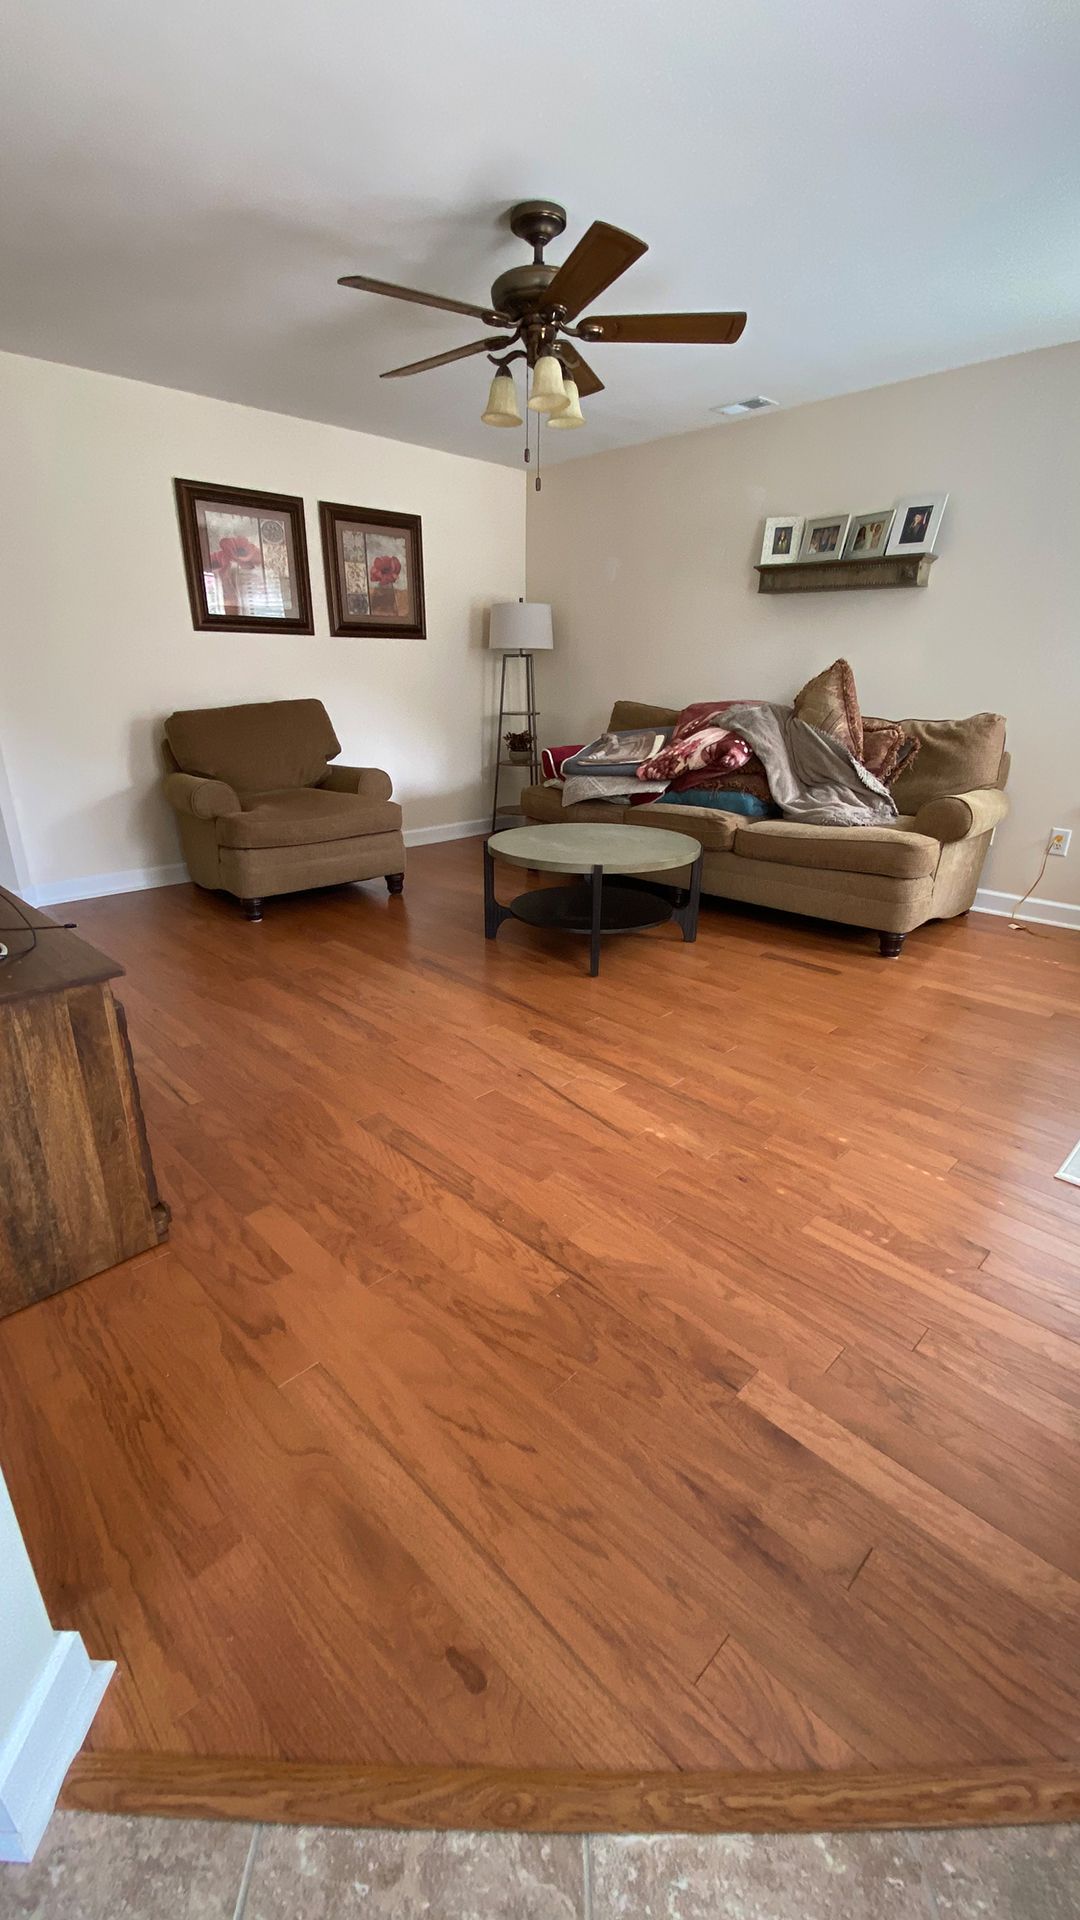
{"x":647,"y":557}
{"x":96,"y":641}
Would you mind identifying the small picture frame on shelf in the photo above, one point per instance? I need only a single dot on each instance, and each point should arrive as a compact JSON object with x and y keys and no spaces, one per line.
{"x":868,"y":534}
{"x":781,"y":540}
{"x":824,"y":536}
{"x":915,"y":528}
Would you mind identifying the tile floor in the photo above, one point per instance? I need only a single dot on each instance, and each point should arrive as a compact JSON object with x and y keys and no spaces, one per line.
{"x":101,"y":1867}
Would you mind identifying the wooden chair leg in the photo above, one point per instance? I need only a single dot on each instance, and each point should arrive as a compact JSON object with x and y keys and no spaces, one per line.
{"x":253,"y":907}
{"x":395,"y":882}
{"x":891,"y":944}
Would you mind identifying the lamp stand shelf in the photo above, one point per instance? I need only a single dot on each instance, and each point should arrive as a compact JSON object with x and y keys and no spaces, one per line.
{"x":833,"y":576}
{"x":529,"y":715}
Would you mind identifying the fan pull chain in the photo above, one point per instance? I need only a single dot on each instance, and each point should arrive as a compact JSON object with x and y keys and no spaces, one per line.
{"x":539,"y":426}
{"x":528,"y":417}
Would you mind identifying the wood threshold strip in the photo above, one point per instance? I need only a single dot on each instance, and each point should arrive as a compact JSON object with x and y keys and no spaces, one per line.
{"x":189,"y":1786}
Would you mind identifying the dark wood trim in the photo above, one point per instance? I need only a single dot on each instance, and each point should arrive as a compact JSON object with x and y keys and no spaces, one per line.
{"x":187,"y":1786}
{"x":831,"y":576}
{"x":330,"y":512}
{"x":288,"y":506}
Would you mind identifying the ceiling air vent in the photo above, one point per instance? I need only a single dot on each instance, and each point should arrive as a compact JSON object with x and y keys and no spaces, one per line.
{"x":757,"y":403}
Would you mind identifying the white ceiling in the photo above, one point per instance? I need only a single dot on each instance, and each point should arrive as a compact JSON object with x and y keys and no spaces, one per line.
{"x":887,"y":189}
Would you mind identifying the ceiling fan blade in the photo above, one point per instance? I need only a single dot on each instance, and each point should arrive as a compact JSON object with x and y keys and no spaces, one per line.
{"x":364,"y":284}
{"x":580,"y":371}
{"x":443,"y":359}
{"x":599,"y":257}
{"x":671,"y":329}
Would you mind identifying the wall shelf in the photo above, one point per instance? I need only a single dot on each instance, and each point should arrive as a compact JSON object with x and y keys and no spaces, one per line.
{"x":832,"y":576}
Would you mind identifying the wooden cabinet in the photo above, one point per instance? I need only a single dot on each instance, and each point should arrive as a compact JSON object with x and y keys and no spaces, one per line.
{"x":77,"y":1185}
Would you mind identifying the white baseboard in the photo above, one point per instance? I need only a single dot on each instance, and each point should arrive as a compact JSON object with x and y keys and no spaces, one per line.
{"x":455,"y":830}
{"x":135,"y":879}
{"x":128,"y":880}
{"x":43,"y":1743}
{"x":1048,"y":913}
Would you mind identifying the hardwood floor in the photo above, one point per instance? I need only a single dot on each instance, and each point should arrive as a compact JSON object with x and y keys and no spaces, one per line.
{"x":678,"y":1370}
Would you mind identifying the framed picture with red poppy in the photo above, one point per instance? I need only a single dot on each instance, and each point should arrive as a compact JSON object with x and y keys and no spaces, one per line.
{"x":374,"y":571}
{"x":245,"y":556}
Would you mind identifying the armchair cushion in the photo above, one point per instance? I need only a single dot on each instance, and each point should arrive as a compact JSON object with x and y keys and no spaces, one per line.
{"x":266,"y":744}
{"x":206,"y":799}
{"x":953,"y":816}
{"x":304,"y":816}
{"x":371,"y":782}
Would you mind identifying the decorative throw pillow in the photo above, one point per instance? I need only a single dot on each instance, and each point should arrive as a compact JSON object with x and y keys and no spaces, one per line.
{"x":551,"y":760}
{"x":830,"y":703}
{"x":710,"y":749}
{"x":886,"y":748}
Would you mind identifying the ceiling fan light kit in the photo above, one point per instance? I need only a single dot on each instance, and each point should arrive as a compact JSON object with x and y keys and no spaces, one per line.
{"x":537,"y":306}
{"x":502,"y":406}
{"x":547,"y":394}
{"x":570,"y":415}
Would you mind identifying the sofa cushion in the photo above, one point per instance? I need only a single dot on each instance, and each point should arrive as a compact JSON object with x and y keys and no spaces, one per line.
{"x":715,"y":830}
{"x":881,"y":850}
{"x":955,"y":756}
{"x":634,"y":713}
{"x":830,"y":703}
{"x":266,"y":744}
{"x":302,"y":816}
{"x":545,"y":804}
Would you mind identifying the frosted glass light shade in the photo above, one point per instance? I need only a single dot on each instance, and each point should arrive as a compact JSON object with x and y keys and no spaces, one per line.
{"x":521,"y":626}
{"x":548,"y":393}
{"x":570,"y":415}
{"x":502,"y":406}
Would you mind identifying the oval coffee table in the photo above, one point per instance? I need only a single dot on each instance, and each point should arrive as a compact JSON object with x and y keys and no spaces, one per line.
{"x":595,"y":905}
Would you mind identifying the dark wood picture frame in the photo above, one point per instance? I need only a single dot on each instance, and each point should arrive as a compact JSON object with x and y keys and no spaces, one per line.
{"x":342,"y":621}
{"x":283,"y":506}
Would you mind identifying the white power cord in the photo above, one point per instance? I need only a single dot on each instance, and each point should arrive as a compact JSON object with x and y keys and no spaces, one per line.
{"x":1015,"y":925}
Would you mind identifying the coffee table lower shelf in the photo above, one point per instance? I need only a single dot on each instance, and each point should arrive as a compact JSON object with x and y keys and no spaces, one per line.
{"x":596,"y":907}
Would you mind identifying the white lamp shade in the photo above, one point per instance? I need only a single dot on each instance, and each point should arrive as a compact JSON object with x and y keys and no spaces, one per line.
{"x":547,"y":394}
{"x":502,"y":407}
{"x":570,"y":415}
{"x":521,"y":626}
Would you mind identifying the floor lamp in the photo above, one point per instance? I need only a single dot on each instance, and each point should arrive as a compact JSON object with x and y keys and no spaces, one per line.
{"x":517,"y":630}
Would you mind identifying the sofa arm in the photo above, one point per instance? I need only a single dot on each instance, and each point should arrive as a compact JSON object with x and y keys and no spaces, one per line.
{"x":206,"y":799}
{"x":958,"y":816}
{"x":371,"y":782}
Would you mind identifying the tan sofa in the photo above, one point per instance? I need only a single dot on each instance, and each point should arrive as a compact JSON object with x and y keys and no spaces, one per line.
{"x":262,"y":812}
{"x":924,"y":866}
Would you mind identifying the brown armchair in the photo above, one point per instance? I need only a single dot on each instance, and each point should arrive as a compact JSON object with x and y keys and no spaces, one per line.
{"x":262,"y":812}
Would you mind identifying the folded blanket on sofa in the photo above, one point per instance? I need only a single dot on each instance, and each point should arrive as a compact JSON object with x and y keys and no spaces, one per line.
{"x":812,"y":777}
{"x":617,"y":753}
{"x":609,"y":786}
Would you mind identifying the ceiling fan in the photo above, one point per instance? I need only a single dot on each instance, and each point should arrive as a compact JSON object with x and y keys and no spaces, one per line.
{"x":537,"y":308}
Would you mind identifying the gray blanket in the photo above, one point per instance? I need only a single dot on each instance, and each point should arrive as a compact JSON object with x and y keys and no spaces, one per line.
{"x":811,"y":776}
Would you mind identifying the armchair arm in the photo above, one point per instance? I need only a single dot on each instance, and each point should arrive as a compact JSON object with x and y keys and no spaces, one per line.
{"x":958,"y":816}
{"x":206,"y":799}
{"x":370,"y":782}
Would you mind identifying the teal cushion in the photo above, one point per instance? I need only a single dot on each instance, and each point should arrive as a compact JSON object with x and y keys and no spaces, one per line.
{"x":745,"y":803}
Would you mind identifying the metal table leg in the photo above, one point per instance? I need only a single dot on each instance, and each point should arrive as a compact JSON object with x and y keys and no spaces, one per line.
{"x":594,"y":936}
{"x":494,"y":912}
{"x":687,"y":914}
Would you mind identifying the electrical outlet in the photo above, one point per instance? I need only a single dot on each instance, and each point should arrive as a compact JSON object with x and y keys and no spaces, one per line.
{"x":1059,"y":841}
